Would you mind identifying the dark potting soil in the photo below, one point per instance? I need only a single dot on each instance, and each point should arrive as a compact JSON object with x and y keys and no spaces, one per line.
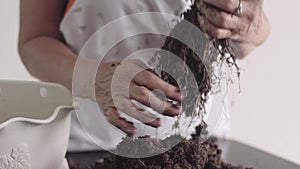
{"x":188,"y":154}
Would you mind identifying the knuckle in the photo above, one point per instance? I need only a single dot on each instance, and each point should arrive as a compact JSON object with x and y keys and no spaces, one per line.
{"x":146,"y":76}
{"x":216,"y":33}
{"x":251,"y":17}
{"x":143,"y":93}
{"x":150,"y":78}
{"x":223,"y":20}
{"x":167,"y":88}
{"x":228,"y":4}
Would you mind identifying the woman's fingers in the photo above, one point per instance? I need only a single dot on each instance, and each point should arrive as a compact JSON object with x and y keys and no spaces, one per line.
{"x":213,"y":30}
{"x":220,"y":18}
{"x":137,"y":72}
{"x":114,"y":118}
{"x":150,"y":119}
{"x":133,"y":80}
{"x":125,"y":105}
{"x":150,"y":99}
{"x":229,"y":6}
{"x":151,"y":81}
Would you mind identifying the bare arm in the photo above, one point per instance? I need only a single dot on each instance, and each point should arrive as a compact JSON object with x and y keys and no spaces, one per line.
{"x":41,"y":44}
{"x":44,"y":53}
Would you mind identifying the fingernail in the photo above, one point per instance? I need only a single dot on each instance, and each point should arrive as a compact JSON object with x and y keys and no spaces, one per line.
{"x":178,"y":97}
{"x":130,"y":134}
{"x":172,"y":112}
{"x":177,"y":94}
{"x":130,"y":130}
{"x":158,"y":122}
{"x":155,"y":123}
{"x":177,"y":106}
{"x":177,"y":112}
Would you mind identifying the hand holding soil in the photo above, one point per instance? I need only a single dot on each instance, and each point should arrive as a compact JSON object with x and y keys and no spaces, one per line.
{"x":120,"y":83}
{"x":245,"y":29}
{"x":193,"y":153}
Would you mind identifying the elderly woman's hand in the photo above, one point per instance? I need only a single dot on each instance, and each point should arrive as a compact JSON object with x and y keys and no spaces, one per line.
{"x":245,"y":29}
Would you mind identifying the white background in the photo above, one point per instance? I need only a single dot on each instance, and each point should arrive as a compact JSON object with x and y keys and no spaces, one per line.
{"x":266,"y":114}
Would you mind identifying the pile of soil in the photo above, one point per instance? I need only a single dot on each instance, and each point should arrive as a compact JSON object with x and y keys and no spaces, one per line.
{"x":188,"y":154}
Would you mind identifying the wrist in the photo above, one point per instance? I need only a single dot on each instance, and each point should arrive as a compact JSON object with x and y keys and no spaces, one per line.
{"x":244,"y":47}
{"x":85,"y":75}
{"x":265,"y":30}
{"x":83,"y":78}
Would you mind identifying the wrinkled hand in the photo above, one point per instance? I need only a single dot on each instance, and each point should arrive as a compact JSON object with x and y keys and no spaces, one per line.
{"x":246,"y":30}
{"x":119,"y":84}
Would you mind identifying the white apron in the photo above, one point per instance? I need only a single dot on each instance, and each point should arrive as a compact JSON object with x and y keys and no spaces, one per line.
{"x":83,"y":19}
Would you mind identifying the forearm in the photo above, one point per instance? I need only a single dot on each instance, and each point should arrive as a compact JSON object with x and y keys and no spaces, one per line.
{"x":48,"y":60}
